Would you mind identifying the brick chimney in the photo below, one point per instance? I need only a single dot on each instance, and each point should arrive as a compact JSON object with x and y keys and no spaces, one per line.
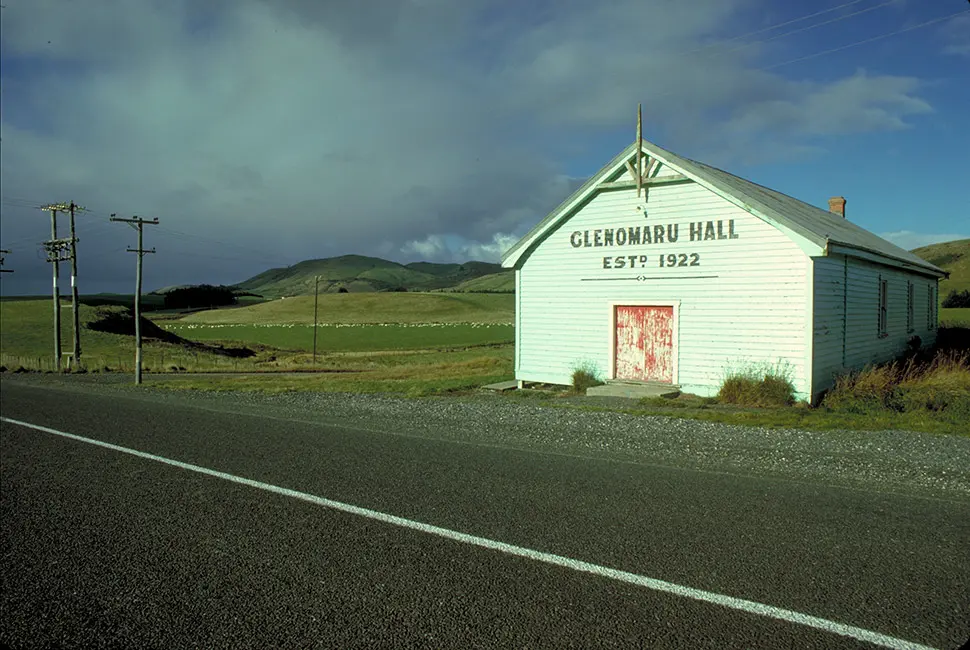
{"x":837,"y":206}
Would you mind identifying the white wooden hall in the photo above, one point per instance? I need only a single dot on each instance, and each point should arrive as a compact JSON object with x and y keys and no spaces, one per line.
{"x":705,"y":273}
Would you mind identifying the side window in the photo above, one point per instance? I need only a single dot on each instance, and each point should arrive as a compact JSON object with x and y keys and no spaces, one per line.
{"x":910,"y":306}
{"x":930,"y":307}
{"x":883,"y":306}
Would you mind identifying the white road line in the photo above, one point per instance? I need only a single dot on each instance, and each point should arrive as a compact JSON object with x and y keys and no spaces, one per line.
{"x":739,"y":604}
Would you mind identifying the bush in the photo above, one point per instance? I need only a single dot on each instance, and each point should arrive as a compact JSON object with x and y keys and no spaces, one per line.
{"x":752,"y":387}
{"x":957,"y":299}
{"x":585,"y":377}
{"x":953,"y":338}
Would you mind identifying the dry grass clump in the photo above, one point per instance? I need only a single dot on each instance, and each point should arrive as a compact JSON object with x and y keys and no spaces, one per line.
{"x":938,"y":385}
{"x":761,"y":385}
{"x":585,"y":376}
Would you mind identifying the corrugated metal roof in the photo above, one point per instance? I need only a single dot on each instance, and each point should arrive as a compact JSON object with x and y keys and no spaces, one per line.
{"x":814,"y":224}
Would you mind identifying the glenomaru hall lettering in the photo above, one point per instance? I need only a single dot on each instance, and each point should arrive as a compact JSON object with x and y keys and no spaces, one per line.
{"x":656,"y":234}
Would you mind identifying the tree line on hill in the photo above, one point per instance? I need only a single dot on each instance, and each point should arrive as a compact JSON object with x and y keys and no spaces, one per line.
{"x":957,"y":299}
{"x":202,"y":295}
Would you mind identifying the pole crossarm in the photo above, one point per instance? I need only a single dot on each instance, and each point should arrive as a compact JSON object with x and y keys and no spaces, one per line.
{"x":63,"y":207}
{"x":135,"y":220}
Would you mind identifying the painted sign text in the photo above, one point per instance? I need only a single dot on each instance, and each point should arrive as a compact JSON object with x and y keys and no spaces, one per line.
{"x":656,"y":234}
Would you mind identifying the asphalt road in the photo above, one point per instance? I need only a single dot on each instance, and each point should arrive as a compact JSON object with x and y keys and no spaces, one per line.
{"x":101,"y":548}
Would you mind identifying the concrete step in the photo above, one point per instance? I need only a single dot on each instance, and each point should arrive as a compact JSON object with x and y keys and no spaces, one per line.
{"x":502,"y":386}
{"x":634,"y":390}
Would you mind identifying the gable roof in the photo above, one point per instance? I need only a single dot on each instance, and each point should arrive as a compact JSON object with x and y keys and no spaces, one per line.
{"x":820,"y":227}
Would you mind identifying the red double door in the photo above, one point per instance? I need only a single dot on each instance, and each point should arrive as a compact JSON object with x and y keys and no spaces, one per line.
{"x":644,"y":343}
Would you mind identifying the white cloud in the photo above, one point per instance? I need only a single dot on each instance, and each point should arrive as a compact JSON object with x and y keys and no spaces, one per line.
{"x":493,"y":250}
{"x":432,"y":247}
{"x":910,"y":240}
{"x":452,"y":248}
{"x":956,"y":36}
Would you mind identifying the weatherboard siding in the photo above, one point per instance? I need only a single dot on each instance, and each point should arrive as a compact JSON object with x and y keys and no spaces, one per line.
{"x":829,"y":321}
{"x":864,"y":344}
{"x":846,"y":324}
{"x":753,"y":313}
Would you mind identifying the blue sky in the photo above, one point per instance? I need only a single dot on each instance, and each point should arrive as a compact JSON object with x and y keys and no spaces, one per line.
{"x":264,"y":133}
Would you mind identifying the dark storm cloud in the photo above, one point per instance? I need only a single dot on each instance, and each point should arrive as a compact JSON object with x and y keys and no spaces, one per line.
{"x":269,"y":132}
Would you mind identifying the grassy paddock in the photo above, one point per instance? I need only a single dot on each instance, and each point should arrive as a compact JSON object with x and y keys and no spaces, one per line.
{"x":27,"y":341}
{"x":369,"y":308}
{"x":954,"y":316}
{"x":350,"y":337}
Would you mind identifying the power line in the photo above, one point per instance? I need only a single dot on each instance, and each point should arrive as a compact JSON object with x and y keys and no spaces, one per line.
{"x":247,"y":254}
{"x":21,"y":241}
{"x":809,"y":27}
{"x":775,"y":26}
{"x":252,"y":253}
{"x":868,"y":40}
{"x":844,"y":47}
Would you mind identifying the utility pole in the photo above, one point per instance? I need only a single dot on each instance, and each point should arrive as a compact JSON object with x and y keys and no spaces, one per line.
{"x":138,"y":224}
{"x":56,"y":249}
{"x":74,"y":302}
{"x":316,"y":297}
{"x":3,"y":270}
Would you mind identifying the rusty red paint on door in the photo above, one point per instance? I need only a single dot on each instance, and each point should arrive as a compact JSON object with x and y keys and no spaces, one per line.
{"x":644,"y":343}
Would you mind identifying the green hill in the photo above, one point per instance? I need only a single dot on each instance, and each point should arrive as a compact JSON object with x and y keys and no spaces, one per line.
{"x":952,"y":256}
{"x":358,"y":273}
{"x":503,"y":282}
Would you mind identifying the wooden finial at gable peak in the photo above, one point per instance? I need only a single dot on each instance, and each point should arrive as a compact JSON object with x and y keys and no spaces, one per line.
{"x":639,"y":148}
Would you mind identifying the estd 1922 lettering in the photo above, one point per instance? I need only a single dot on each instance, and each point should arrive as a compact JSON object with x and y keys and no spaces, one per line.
{"x":680,"y":259}
{"x":625,"y":262}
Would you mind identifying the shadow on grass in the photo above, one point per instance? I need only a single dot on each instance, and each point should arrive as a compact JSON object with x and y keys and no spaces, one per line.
{"x":121,"y":320}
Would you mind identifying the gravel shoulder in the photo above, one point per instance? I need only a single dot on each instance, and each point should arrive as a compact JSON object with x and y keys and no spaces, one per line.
{"x":903,"y":462}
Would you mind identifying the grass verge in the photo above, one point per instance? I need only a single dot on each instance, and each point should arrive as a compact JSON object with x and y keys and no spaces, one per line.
{"x":413,"y":375}
{"x":795,"y":417}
